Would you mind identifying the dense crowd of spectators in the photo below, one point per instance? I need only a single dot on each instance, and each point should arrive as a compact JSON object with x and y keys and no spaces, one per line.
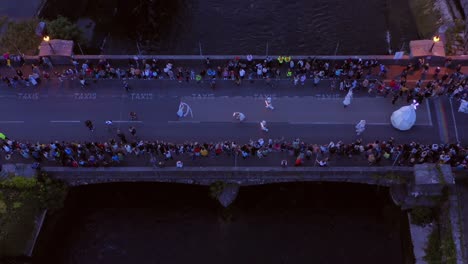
{"x":113,"y":153}
{"x":348,"y":74}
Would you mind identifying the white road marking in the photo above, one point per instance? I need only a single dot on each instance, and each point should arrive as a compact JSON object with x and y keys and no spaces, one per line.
{"x":182,"y":121}
{"x":10,"y":122}
{"x":334,"y":123}
{"x":65,"y":121}
{"x":127,"y":121}
{"x":454,"y":120}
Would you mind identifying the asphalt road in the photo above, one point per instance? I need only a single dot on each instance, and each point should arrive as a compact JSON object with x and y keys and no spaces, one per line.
{"x":57,"y":111}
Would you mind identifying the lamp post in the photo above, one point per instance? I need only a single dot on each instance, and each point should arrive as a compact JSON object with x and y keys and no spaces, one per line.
{"x":47,"y":39}
{"x":435,"y":39}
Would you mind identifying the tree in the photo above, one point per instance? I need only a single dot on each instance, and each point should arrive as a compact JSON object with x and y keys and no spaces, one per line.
{"x":62,"y":28}
{"x":19,"y":37}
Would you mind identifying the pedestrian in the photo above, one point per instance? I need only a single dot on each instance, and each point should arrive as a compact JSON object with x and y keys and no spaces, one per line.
{"x":179,"y":164}
{"x":126,"y":86}
{"x":303,"y":79}
{"x":322,"y":163}
{"x":89,"y":125}
{"x":360,"y":127}
{"x":121,"y":136}
{"x":284,"y":163}
{"x":395,"y":98}
{"x":347,"y":99}
{"x":132,"y":130}
{"x":82,"y":82}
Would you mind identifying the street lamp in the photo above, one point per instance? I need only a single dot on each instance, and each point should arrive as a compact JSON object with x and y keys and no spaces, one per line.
{"x":435,"y":39}
{"x":47,"y":39}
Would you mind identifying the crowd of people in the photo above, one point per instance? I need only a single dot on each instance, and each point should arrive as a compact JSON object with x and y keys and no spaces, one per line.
{"x":350,"y":74}
{"x":113,"y":153}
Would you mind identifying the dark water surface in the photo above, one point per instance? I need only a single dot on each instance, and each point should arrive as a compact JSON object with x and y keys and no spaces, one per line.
{"x":280,"y":223}
{"x":246,"y":26}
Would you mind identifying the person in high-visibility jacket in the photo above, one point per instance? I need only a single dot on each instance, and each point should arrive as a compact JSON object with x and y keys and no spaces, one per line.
{"x":287,"y":59}
{"x":289,"y":73}
{"x":280,"y":60}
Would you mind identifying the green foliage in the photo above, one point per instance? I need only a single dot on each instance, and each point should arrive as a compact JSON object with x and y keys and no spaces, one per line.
{"x":426,"y":17}
{"x":52,"y":193}
{"x":19,"y":37}
{"x":3,"y":207}
{"x":62,"y":28}
{"x":19,"y":183}
{"x":23,"y":200}
{"x":422,"y":215}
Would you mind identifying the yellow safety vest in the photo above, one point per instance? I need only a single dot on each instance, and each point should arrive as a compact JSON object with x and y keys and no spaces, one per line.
{"x":287,"y":59}
{"x":289,"y":73}
{"x":280,"y":59}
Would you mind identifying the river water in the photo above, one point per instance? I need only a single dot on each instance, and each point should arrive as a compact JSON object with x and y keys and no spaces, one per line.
{"x":322,"y":27}
{"x":278,"y":223}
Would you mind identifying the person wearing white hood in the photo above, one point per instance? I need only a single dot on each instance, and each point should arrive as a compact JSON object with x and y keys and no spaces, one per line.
{"x":348,"y":97}
{"x":268,"y":103}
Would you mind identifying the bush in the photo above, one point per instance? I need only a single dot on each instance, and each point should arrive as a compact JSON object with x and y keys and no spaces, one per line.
{"x":19,"y":183}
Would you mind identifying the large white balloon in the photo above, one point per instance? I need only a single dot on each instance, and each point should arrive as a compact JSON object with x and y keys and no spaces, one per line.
{"x":404,"y":118}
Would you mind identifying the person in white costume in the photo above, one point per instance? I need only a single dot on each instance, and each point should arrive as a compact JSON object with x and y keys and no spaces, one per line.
{"x":268,"y":103}
{"x":263,"y":126}
{"x":463,"y":107}
{"x":405,"y":117}
{"x":239,"y":116}
{"x":348,"y":97}
{"x":360,"y":127}
{"x":184,"y":110}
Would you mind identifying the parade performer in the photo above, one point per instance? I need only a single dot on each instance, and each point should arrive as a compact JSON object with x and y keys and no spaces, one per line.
{"x":463,"y":107}
{"x":360,"y":127}
{"x":263,"y":126}
{"x":184,"y":110}
{"x":239,"y":116}
{"x":268,"y":103}
{"x":405,"y":117}
{"x":348,"y":97}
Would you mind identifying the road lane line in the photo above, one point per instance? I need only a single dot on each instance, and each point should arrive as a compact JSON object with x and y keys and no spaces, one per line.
{"x":127,"y":121}
{"x":65,"y":121}
{"x":334,"y":123}
{"x":182,"y":121}
{"x":10,"y":122}
{"x":429,"y":112}
{"x":454,"y":120}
